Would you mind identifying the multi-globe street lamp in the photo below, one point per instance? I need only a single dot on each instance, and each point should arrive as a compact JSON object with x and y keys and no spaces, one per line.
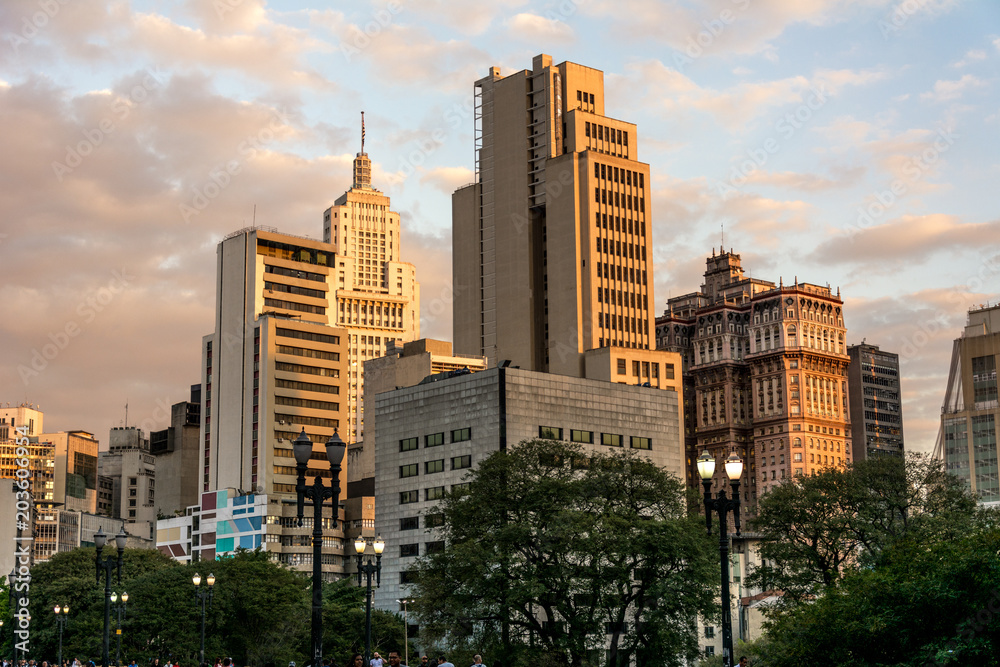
{"x":317,"y":493}
{"x":107,"y":565}
{"x":723,"y":505}
{"x":120,"y":612}
{"x":368,"y":568}
{"x":203,"y":595}
{"x":406,"y":631}
{"x":61,"y":612}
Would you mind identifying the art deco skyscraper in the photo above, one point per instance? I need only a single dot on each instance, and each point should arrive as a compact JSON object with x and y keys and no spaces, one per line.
{"x":551,"y":244}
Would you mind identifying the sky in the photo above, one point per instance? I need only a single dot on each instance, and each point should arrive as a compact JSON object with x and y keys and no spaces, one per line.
{"x":844,"y":142}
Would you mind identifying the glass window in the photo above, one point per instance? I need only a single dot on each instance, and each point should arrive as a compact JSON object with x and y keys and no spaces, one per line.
{"x":431,"y":467}
{"x":435,"y":493}
{"x":611,"y":439}
{"x":434,"y":439}
{"x":409,"y":523}
{"x":459,"y":462}
{"x":409,"y":470}
{"x":407,"y":550}
{"x":434,"y":520}
{"x":408,"y":497}
{"x":408,"y":444}
{"x":581,"y":436}
{"x":637,"y":442}
{"x":433,"y":547}
{"x":461,"y":435}
{"x":550,"y":432}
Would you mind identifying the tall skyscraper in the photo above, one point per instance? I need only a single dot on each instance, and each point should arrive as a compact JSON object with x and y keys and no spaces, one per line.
{"x":967,"y":441}
{"x":295,"y":320}
{"x":378,"y":297}
{"x":876,"y":402}
{"x":551,"y":245}
{"x":768,"y":368}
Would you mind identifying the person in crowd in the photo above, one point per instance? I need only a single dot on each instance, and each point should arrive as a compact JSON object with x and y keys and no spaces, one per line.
{"x":477,"y":660}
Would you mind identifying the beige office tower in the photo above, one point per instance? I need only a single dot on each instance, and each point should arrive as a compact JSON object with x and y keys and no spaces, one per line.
{"x":377,"y":295}
{"x":276,"y":363}
{"x":552,"y":253}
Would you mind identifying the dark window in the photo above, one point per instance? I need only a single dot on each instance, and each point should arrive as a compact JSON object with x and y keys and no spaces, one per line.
{"x":407,"y":550}
{"x":434,"y":520}
{"x":464,"y":487}
{"x":434,"y":440}
{"x":436,"y":465}
{"x":409,"y":523}
{"x":408,"y":497}
{"x":408,"y":444}
{"x":433,"y":547}
{"x":550,"y":432}
{"x":435,"y":493}
{"x":407,"y":577}
{"x":461,"y":435}
{"x":459,"y":462}
{"x":409,"y":470}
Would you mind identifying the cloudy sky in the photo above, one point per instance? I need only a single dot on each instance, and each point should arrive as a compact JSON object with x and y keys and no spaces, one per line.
{"x":849,"y":142}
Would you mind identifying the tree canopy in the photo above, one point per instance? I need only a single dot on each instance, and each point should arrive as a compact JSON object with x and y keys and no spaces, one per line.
{"x":555,"y":554}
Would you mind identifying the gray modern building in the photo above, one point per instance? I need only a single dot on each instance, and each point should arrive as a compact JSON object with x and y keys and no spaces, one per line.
{"x":428,"y":438}
{"x":967,"y":441}
{"x":876,"y":403}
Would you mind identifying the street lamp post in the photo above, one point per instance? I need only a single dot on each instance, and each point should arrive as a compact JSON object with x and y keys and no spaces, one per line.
{"x":723,"y":505}
{"x":107,"y":565}
{"x":406,"y":632}
{"x":203,"y":595}
{"x":120,"y":611}
{"x":61,"y":612}
{"x":368,"y":569}
{"x":317,"y":493}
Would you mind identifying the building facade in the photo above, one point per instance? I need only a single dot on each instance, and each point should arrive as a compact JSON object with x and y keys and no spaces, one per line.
{"x":176,"y":449}
{"x":552,"y":250}
{"x":768,"y":367}
{"x":967,"y":441}
{"x":876,"y":402}
{"x":428,"y":437}
{"x":131,"y":469}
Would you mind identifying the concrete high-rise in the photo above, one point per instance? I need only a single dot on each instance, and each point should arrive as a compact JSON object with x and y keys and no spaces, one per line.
{"x":552,"y":251}
{"x":176,"y":451}
{"x":876,"y":402}
{"x":768,"y":366}
{"x":378,"y":297}
{"x":967,"y":441}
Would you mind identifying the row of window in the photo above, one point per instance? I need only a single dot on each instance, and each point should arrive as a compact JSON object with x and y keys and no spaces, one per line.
{"x":435,"y":439}
{"x":431,"y":493}
{"x":433,"y":520}
{"x":587,"y":437}
{"x":435,"y":466}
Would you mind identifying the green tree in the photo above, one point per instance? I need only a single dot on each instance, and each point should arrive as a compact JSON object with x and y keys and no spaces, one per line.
{"x":928,"y":602}
{"x":567,"y":551}
{"x":818,"y":527}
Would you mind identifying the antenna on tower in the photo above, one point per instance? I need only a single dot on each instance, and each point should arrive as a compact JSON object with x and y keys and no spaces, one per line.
{"x":722,"y":237}
{"x":254,"y":223}
{"x":126,"y":413}
{"x":362,"y":132}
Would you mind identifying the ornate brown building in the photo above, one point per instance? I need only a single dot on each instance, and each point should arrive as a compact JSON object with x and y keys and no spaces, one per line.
{"x":765,"y":368}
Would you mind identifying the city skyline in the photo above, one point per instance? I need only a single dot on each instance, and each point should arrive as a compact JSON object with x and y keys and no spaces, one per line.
{"x":826,"y":142}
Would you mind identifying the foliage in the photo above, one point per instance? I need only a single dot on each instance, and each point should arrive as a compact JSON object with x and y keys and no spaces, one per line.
{"x":929,"y":602}
{"x":818,"y":527}
{"x":344,"y":624}
{"x":600,"y":544}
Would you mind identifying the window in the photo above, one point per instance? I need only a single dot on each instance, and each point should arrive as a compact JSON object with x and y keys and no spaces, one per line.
{"x":464,"y":487}
{"x":637,"y":442}
{"x":431,"y":467}
{"x":435,"y":520}
{"x":408,"y":445}
{"x":434,"y":440}
{"x":581,"y":436}
{"x":611,"y":439}
{"x":434,"y":547}
{"x":408,"y":497}
{"x":459,"y":462}
{"x":409,"y":523}
{"x":550,"y":433}
{"x":407,"y":550}
{"x":709,"y":631}
{"x":621,"y":367}
{"x":461,"y":435}
{"x":435,"y":493}
{"x":407,"y":577}
{"x":409,"y":470}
